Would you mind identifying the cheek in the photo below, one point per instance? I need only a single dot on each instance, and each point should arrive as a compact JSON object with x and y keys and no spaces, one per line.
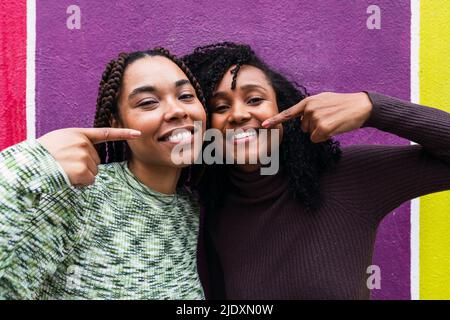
{"x":148,"y":122}
{"x":272,"y":108}
{"x":265,"y":111}
{"x":217,"y":121}
{"x":197,"y":113}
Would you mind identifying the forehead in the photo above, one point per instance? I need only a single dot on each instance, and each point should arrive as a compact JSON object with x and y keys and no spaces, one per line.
{"x":247,"y":75}
{"x":154,"y":71}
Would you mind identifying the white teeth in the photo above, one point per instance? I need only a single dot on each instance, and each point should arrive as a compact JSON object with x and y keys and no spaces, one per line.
{"x":179,"y":136}
{"x":245,"y":134}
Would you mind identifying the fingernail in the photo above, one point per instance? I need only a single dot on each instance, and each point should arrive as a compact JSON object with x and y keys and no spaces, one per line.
{"x":135,"y":133}
{"x":265,"y":123}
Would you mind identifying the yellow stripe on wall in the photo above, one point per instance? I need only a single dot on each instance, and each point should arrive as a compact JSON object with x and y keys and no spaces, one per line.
{"x":434,"y":78}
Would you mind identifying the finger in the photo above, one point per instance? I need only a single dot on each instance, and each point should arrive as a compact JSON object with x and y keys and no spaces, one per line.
{"x":285,"y":115}
{"x":87,"y":180}
{"x":92,"y":166}
{"x":324,"y":131}
{"x":318,"y":136}
{"x":310,"y":120}
{"x":99,"y":135}
{"x":306,"y":123}
{"x":83,"y":174}
{"x":94,"y":154}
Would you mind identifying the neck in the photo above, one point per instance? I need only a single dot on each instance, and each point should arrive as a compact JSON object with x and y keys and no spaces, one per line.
{"x":248,"y":167}
{"x":159,"y":178}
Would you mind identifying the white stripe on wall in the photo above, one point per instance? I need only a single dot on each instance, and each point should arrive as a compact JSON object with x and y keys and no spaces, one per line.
{"x":415,"y":203}
{"x":31,"y":70}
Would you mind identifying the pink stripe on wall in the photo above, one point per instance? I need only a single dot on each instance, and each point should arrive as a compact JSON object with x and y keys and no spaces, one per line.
{"x":13,"y":36}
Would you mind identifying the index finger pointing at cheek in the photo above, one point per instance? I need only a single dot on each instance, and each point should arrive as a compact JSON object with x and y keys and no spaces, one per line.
{"x":285,"y":115}
{"x":99,"y":135}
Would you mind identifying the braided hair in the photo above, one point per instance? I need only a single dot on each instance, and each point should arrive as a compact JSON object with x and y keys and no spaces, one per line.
{"x":107,"y":101}
{"x":302,"y":160}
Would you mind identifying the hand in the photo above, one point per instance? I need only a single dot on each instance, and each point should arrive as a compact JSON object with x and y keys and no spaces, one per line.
{"x":327,"y":114}
{"x":73,"y":149}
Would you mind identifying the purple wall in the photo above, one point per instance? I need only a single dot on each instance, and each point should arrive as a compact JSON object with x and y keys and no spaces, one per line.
{"x":324,"y":45}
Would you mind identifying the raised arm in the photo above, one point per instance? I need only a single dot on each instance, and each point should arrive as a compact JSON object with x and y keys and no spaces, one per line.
{"x":373,"y":180}
{"x":427,"y":126}
{"x":42,"y":213}
{"x":38,"y":211}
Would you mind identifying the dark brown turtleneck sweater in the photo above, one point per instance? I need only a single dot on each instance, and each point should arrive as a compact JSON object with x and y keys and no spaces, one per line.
{"x":263,"y":245}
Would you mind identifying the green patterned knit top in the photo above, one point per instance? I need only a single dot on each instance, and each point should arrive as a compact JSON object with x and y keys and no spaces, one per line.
{"x":115,"y":239}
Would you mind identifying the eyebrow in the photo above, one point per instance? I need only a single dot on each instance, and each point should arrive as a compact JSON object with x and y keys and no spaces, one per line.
{"x":151,"y":89}
{"x":247,"y":87}
{"x":143,"y":89}
{"x":182,"y":82}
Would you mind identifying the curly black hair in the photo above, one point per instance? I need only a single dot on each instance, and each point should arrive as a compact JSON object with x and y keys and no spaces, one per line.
{"x":302,"y":160}
{"x":108,"y":95}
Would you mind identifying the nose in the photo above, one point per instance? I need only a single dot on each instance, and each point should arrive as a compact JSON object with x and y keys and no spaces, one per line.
{"x":174,"y":111}
{"x":239,"y":114}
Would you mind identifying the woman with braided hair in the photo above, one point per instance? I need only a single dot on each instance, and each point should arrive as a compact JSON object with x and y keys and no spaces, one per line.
{"x":103,"y":212}
{"x":308,"y":231}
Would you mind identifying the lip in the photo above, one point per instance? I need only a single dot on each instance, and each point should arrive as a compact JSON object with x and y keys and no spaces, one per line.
{"x":166,"y":134}
{"x":243,"y":140}
{"x":246,"y":139}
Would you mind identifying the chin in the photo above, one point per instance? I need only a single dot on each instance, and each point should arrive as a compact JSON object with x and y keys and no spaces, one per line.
{"x":181,"y":166}
{"x":182,"y":161}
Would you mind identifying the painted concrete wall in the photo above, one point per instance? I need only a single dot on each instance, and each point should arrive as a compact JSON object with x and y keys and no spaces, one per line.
{"x":324,"y":45}
{"x":13,"y":17}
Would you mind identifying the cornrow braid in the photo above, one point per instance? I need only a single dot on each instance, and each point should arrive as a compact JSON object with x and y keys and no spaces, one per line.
{"x":235,"y":72}
{"x":108,"y":96}
{"x":107,"y":107}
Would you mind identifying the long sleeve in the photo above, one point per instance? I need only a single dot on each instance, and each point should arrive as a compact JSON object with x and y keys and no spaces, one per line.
{"x":373,"y":180}
{"x":39,"y":218}
{"x":426,"y":126}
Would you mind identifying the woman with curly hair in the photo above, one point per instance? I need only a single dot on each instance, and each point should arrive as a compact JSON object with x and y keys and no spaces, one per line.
{"x":308,"y":231}
{"x":103,"y":212}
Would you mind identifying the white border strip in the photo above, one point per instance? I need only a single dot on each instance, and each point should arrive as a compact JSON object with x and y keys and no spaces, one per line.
{"x":415,"y":203}
{"x":31,"y":70}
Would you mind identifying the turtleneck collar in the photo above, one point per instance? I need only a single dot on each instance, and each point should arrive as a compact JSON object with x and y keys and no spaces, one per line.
{"x":252,"y":186}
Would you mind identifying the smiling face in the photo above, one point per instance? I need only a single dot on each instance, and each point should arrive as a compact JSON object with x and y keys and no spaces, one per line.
{"x":246,"y":107}
{"x":157,"y":98}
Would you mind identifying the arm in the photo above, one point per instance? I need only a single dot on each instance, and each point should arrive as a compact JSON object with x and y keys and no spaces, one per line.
{"x":42,"y":216}
{"x":373,"y":180}
{"x":426,"y":126}
{"x":38,"y":218}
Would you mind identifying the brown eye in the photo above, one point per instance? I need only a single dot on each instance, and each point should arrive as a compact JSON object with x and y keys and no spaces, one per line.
{"x":147,"y":103}
{"x":186,"y":96}
{"x":220,"y":108}
{"x":255,"y":100}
